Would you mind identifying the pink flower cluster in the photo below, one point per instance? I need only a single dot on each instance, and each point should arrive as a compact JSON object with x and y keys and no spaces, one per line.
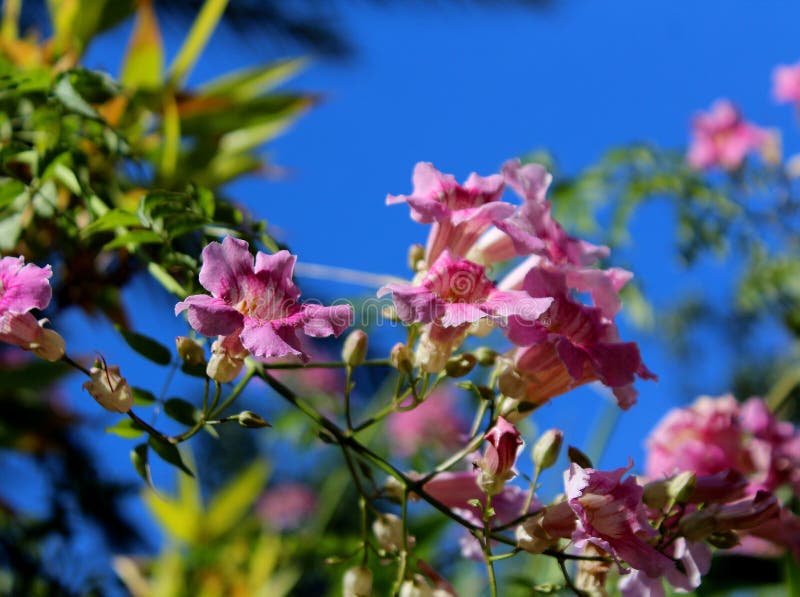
{"x":723,"y":138}
{"x":560,"y":343}
{"x":719,"y":436}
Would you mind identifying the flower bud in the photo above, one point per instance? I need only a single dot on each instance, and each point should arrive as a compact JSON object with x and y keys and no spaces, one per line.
{"x":388,"y":529}
{"x":431,"y":356}
{"x":504,"y":444}
{"x":655,"y":494}
{"x":227,"y":359}
{"x":402,"y":358}
{"x":357,"y":582}
{"x":460,"y":365}
{"x":251,"y":420}
{"x":681,"y":486}
{"x":190,"y":351}
{"x":354,"y":350}
{"x":486,"y":356}
{"x":723,"y":539}
{"x":49,"y":345}
{"x":110,"y":389}
{"x":547,"y":448}
{"x":697,"y":526}
{"x":416,"y":587}
{"x":393,"y":489}
{"x":416,"y":253}
{"x":512,"y":384}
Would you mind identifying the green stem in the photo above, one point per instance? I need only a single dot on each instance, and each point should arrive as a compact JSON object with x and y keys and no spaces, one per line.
{"x":324,"y":365}
{"x":237,"y":390}
{"x":347,"y":388}
{"x":487,"y":544}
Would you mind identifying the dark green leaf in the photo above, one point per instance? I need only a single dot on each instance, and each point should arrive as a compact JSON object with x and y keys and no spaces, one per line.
{"x":71,"y":99}
{"x":147,"y":347}
{"x":110,"y":220}
{"x":169,"y":453}
{"x":182,"y":411}
{"x":142,"y":397}
{"x":139,"y":459}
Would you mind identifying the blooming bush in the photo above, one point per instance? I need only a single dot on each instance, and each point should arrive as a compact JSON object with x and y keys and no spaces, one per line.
{"x":720,"y":476}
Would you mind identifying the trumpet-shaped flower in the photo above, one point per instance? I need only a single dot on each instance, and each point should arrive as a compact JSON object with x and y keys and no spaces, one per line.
{"x":24,"y":287}
{"x":258,"y":302}
{"x":573,"y":345}
{"x":723,"y":138}
{"x":612,"y":517}
{"x":459,"y":213}
{"x":452,"y":295}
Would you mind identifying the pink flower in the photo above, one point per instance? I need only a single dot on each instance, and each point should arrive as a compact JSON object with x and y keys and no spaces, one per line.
{"x":285,"y":507}
{"x":786,"y":83}
{"x":705,"y":438}
{"x":532,"y":229}
{"x":259,"y":304}
{"x":774,"y":447}
{"x":612,"y":517}
{"x":773,"y":537}
{"x":459,"y":214}
{"x":24,"y":287}
{"x":722,"y":138}
{"x":454,"y":294}
{"x":433,"y":422}
{"x":573,"y":345}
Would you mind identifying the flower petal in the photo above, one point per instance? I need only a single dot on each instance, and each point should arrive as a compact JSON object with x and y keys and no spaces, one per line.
{"x":266,"y":341}
{"x":224,"y":266}
{"x":23,"y":286}
{"x":210,"y":316}
{"x":319,"y":321}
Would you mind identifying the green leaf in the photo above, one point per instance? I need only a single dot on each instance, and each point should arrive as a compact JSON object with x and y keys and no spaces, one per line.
{"x":169,"y":453}
{"x":110,"y":220}
{"x":71,"y":99}
{"x":142,"y":397}
{"x":134,"y":237}
{"x":9,"y":190}
{"x":144,"y":61}
{"x":147,"y":347}
{"x":234,"y":500}
{"x":126,"y":428}
{"x":182,"y":411}
{"x":196,"y":40}
{"x":139,"y":459}
{"x":250,"y":82}
{"x":792,"y":575}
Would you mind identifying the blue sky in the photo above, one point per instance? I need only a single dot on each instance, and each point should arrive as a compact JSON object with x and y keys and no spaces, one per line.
{"x":467,"y":88}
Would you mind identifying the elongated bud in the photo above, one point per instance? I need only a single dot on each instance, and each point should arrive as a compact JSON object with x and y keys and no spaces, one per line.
{"x":578,"y":457}
{"x":110,"y":389}
{"x":416,"y":254}
{"x":512,"y":384}
{"x":251,"y":420}
{"x":402,"y":358}
{"x":460,"y":365}
{"x":503,"y":446}
{"x":354,"y":350}
{"x":190,"y":351}
{"x":486,"y":356}
{"x":547,"y":448}
{"x":357,"y":582}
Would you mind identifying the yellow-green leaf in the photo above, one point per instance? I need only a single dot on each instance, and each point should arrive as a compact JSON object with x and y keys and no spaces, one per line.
{"x":144,"y":60}
{"x":233,"y":501}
